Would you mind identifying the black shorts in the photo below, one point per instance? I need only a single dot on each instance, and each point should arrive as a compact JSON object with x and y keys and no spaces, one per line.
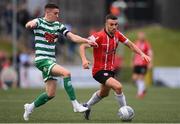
{"x":140,"y":69}
{"x":102,"y":76}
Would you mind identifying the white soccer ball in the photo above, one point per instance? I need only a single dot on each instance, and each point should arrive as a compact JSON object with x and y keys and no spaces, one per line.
{"x":126,"y":113}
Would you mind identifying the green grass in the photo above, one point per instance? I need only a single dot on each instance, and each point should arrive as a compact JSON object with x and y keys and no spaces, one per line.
{"x":165,"y":44}
{"x":161,"y":105}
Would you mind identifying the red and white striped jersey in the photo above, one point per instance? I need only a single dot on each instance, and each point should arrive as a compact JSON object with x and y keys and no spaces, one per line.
{"x":104,"y":54}
{"x":145,"y":47}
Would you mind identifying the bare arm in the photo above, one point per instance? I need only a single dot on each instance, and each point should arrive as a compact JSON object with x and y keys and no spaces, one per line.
{"x":31,"y":24}
{"x":150,"y":65}
{"x":85,"y":62}
{"x":79,"y":39}
{"x":134,"y":48}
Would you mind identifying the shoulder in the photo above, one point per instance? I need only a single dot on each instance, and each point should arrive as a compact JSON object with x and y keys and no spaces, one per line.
{"x":61,"y":25}
{"x":122,"y":38}
{"x":39,"y":20}
{"x":100,"y":34}
{"x":57,"y":22}
{"x":118,"y":33}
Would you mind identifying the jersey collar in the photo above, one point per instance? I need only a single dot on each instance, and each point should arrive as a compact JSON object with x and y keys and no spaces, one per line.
{"x":108,"y":33}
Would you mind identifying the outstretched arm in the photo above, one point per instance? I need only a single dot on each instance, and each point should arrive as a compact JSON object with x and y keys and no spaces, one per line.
{"x":31,"y":24}
{"x":85,"y":62}
{"x":78,"y":39}
{"x":150,"y":54}
{"x":133,"y":47}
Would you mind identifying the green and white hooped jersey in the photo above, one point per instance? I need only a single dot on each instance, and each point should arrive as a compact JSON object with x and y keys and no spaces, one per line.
{"x":46,"y":35}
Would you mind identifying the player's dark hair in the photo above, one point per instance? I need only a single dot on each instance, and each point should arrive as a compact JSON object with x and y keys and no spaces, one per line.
{"x":111,"y":16}
{"x":51,"y":6}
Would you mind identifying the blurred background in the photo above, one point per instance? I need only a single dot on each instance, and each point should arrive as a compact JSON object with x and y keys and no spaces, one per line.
{"x":159,"y":19}
{"x":21,"y":81}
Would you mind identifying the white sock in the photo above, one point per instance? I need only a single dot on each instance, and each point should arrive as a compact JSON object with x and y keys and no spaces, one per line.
{"x":4,"y":86}
{"x":121,"y":99}
{"x":74,"y":103}
{"x":140,"y":86}
{"x":94,"y":99}
{"x":32,"y":106}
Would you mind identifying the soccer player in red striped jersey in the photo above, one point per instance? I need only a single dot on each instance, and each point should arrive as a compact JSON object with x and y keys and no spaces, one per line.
{"x":140,"y":66}
{"x":103,"y":66}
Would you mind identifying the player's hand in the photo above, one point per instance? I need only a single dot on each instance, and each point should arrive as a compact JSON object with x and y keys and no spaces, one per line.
{"x":92,"y":41}
{"x":146,"y":58}
{"x":31,"y":25}
{"x":85,"y":64}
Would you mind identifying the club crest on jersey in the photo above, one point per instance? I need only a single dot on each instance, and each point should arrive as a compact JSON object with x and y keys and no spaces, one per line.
{"x":69,"y":84}
{"x":51,"y":38}
{"x":105,"y":74}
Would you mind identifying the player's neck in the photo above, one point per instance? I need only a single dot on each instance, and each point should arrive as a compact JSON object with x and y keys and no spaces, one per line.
{"x":141,"y":40}
{"x":46,"y":18}
{"x":108,"y":33}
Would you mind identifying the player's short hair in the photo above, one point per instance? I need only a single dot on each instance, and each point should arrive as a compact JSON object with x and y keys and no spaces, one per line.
{"x":111,"y":16}
{"x":51,"y":6}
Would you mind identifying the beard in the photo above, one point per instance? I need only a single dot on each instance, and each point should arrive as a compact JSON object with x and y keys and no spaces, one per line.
{"x":112,"y":31}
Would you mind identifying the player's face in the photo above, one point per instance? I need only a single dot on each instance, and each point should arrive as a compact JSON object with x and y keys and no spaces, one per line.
{"x":141,"y":36}
{"x":111,"y":26}
{"x":53,"y":14}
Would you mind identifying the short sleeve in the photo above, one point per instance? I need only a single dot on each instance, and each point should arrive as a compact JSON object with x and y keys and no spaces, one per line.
{"x":63,"y":30}
{"x":122,"y":38}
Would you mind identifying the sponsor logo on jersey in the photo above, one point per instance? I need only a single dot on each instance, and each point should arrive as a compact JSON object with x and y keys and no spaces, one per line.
{"x":50,"y":37}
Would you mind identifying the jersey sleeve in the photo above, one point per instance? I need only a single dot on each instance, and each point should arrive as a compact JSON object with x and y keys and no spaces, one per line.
{"x":63,"y":30}
{"x":122,"y":38}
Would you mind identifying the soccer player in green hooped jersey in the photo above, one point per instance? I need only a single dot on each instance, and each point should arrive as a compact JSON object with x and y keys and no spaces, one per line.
{"x":46,"y":31}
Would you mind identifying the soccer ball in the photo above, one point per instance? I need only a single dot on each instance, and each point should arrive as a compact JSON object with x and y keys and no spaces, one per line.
{"x":126,"y":113}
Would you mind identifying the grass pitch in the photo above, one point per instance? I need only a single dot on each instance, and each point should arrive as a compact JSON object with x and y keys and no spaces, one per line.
{"x":161,"y":105}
